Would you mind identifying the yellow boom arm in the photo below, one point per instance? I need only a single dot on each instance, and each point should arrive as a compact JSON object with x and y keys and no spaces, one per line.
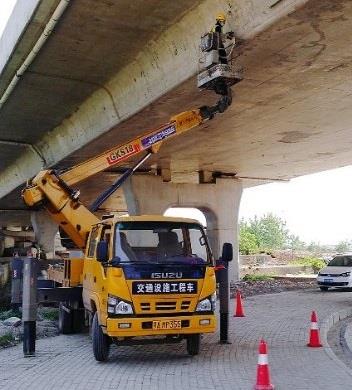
{"x":53,"y":192}
{"x":116,"y":155}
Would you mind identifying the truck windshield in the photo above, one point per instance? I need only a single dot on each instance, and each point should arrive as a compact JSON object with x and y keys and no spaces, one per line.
{"x":161,"y":243}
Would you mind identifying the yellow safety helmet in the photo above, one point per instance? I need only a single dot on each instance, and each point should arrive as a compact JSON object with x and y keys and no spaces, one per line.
{"x":220,"y":17}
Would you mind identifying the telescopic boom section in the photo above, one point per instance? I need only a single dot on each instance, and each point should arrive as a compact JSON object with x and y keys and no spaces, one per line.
{"x":149,"y":141}
{"x":53,"y":192}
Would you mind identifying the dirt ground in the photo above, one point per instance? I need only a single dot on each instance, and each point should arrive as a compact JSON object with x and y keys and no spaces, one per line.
{"x":250,"y":288}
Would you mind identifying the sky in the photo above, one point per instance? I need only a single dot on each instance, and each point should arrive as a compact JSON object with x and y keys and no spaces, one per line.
{"x":6,"y":7}
{"x":316,"y":207}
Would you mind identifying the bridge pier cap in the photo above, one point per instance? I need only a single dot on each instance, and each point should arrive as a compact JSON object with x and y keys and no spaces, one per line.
{"x":218,"y":201}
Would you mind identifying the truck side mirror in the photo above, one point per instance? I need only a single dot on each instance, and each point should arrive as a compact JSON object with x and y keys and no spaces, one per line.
{"x":227,"y":252}
{"x":102,"y":251}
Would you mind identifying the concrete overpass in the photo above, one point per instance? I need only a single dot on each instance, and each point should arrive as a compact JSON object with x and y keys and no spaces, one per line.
{"x":110,"y":70}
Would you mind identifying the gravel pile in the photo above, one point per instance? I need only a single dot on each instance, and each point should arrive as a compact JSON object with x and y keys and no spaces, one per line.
{"x":11,"y":328}
{"x":249,"y":288}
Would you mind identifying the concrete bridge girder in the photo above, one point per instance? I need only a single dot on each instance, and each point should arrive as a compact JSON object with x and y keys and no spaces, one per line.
{"x":219,"y":202}
{"x":161,"y":66}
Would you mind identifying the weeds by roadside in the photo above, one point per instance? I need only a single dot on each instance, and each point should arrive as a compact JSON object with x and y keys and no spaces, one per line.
{"x":6,"y":340}
{"x":49,"y":313}
{"x":313,"y":262}
{"x":256,"y":277}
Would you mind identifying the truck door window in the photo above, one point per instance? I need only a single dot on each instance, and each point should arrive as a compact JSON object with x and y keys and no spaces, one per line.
{"x":198,"y":243}
{"x":93,"y":240}
{"x":105,"y":236}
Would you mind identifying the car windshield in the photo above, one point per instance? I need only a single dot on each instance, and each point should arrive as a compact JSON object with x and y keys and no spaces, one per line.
{"x":341,"y":261}
{"x":161,"y":243}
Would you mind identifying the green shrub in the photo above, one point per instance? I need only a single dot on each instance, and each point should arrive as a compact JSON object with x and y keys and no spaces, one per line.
{"x":49,"y":313}
{"x":314,"y":262}
{"x":256,"y":278}
{"x":6,"y":340}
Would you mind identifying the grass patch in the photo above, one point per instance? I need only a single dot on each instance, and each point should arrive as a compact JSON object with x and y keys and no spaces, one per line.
{"x":6,"y":340}
{"x":313,"y":262}
{"x":256,"y":278}
{"x":49,"y":313}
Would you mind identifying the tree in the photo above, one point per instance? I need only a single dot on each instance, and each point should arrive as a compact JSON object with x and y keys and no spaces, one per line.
{"x":295,"y":243}
{"x":317,"y":248}
{"x":266,"y":234}
{"x":343,"y":246}
{"x":248,"y":241}
{"x":270,"y":232}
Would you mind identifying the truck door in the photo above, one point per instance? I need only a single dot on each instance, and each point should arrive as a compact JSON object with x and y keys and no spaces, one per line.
{"x":88,"y":268}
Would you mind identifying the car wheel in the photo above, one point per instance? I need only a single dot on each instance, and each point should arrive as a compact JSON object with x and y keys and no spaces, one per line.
{"x":324,"y":288}
{"x":193,"y":344}
{"x":101,"y":342}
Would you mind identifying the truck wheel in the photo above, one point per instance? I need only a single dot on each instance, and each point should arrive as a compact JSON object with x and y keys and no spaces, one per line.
{"x":65,"y":320}
{"x":193,"y":344}
{"x":101,"y":342}
{"x":77,"y":320}
{"x":324,"y":288}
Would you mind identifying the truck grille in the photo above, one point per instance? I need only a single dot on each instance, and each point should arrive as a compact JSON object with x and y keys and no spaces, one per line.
{"x":164,"y":306}
{"x":145,"y":306}
{"x":185,"y":305}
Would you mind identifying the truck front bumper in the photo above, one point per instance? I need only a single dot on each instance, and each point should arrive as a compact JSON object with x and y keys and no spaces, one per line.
{"x":117,"y":327}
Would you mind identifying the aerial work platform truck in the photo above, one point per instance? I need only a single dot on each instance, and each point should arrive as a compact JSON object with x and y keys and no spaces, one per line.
{"x":142,"y":279}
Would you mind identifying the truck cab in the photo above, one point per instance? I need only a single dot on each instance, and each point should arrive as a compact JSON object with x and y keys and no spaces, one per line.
{"x":148,"y":276}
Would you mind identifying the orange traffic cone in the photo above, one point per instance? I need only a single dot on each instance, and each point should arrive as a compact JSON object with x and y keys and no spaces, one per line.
{"x":239,"y":312}
{"x":314,"y":338}
{"x":263,"y":374}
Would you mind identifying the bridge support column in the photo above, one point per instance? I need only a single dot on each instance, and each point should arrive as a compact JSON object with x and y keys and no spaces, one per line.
{"x":218,"y":201}
{"x":45,"y":230}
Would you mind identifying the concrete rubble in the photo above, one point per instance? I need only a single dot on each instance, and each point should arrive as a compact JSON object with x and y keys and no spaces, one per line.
{"x":11,"y":328}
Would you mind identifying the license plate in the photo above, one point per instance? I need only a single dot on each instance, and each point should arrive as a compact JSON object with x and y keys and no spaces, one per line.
{"x":167,"y":325}
{"x":328,"y":280}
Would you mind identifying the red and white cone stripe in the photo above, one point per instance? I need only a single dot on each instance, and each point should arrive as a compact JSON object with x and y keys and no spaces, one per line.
{"x":263,"y":359}
{"x":314,"y":337}
{"x":263,"y":374}
{"x":314,"y":326}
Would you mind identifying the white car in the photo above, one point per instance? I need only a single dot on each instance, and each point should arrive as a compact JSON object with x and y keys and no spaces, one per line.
{"x":337,"y":273}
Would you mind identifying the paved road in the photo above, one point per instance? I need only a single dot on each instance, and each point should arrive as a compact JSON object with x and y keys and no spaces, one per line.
{"x":66,"y":362}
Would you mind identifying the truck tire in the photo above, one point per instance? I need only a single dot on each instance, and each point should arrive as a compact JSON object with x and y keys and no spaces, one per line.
{"x":78,"y":320}
{"x":324,"y":288}
{"x":101,"y":342}
{"x":193,"y":344}
{"x":65,"y":320}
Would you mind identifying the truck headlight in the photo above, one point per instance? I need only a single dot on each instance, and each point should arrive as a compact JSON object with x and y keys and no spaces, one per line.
{"x":204,"y":305}
{"x":207,"y":304}
{"x":117,"y":305}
